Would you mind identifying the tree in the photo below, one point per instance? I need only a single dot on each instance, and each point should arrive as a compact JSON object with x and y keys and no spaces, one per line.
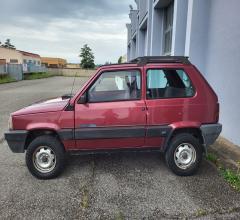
{"x":8,"y":44}
{"x":87,"y":57}
{"x":120,"y":59}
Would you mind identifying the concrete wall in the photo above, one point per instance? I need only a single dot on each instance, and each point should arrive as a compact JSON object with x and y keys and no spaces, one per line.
{"x":197,"y":32}
{"x":179,"y":27}
{"x":157,"y":32}
{"x":222,"y":65}
{"x":71,"y":72}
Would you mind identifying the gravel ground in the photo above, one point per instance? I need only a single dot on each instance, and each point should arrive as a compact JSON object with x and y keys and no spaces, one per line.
{"x":117,"y":186}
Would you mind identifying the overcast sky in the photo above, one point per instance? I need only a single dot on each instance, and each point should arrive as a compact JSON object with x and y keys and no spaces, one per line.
{"x":60,"y":28}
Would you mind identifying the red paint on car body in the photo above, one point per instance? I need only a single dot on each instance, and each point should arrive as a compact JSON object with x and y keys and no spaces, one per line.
{"x":189,"y":112}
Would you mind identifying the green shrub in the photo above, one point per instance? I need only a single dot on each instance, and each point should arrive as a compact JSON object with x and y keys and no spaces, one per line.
{"x":6,"y":79}
{"x":231,"y":177}
{"x":212,"y":157}
{"x":32,"y":76}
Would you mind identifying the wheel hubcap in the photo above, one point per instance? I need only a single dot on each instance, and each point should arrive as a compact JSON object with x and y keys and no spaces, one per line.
{"x":44,"y":159}
{"x":184,"y":155}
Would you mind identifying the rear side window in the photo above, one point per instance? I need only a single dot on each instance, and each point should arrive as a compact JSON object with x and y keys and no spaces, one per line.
{"x":168,"y":83}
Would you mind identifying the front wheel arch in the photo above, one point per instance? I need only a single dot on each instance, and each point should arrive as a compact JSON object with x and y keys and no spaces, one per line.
{"x":33,"y":134}
{"x":44,"y":169}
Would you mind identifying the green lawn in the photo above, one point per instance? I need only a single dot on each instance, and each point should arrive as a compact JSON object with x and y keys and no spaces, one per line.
{"x":6,"y":79}
{"x":32,"y":76}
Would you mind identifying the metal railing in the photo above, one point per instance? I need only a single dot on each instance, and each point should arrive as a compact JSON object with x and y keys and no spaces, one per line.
{"x":3,"y":69}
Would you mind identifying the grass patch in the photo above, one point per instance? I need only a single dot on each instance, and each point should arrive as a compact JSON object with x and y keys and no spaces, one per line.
{"x":6,"y":79}
{"x":233,"y":178}
{"x":212,"y":157}
{"x":85,"y":199}
{"x":201,"y":212}
{"x":32,"y":76}
{"x":119,"y":216}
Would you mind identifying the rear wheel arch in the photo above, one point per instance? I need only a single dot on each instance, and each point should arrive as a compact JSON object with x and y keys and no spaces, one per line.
{"x":184,"y":154}
{"x":194,"y":131}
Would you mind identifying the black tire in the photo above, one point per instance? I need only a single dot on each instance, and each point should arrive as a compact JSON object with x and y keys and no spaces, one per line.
{"x":172,"y":148}
{"x":56,"y":148}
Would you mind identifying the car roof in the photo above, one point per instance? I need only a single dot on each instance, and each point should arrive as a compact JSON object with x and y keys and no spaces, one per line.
{"x":141,"y":61}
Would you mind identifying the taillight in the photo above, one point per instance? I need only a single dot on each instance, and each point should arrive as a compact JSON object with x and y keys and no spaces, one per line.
{"x":217,"y":112}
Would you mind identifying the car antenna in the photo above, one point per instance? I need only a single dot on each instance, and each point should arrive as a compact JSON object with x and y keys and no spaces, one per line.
{"x":73,"y":84}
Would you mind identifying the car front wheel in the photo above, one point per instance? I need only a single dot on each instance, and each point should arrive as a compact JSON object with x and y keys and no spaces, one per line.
{"x":184,"y":155}
{"x":45,"y":157}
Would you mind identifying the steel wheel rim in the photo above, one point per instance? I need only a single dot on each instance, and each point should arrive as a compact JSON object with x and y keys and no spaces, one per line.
{"x":44,"y":159}
{"x":185,"y":155}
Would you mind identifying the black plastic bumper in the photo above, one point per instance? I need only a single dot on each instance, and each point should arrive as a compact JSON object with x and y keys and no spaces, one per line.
{"x":16,"y":140}
{"x":210,"y":133}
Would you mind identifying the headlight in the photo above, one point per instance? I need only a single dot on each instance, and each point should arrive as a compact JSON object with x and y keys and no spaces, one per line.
{"x":10,"y":124}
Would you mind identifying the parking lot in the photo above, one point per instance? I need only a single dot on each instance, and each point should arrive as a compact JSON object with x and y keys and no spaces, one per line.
{"x":117,"y":186}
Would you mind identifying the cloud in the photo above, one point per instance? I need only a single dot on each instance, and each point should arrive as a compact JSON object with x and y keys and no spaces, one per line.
{"x":61,"y":27}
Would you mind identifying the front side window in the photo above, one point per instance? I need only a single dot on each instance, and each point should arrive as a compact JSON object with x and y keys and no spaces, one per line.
{"x":168,"y":83}
{"x":116,"y":86}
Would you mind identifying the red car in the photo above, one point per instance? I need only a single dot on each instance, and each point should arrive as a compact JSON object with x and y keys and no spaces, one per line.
{"x":151,"y":103}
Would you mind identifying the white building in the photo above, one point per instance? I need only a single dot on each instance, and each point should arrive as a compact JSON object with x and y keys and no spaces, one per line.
{"x":208,"y":31}
{"x":12,"y":56}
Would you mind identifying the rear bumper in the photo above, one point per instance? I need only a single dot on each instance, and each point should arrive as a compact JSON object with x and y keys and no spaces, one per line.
{"x":16,"y":140}
{"x":210,"y":133}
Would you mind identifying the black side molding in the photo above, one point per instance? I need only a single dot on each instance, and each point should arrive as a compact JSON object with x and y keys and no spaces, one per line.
{"x":109,"y":133}
{"x":66,"y":134}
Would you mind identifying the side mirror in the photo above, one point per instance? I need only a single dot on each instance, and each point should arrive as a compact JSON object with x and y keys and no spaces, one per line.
{"x":83,"y":99}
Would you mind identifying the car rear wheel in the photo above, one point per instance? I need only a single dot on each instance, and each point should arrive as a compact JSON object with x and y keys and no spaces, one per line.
{"x":45,"y":157}
{"x":184,"y":155}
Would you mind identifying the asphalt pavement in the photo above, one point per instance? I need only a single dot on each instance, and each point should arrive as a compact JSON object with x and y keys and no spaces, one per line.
{"x":116,"y":186}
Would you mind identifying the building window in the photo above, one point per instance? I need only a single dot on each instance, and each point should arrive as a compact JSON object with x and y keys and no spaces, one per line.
{"x":168,"y":83}
{"x":168,"y":26}
{"x":39,"y":63}
{"x":24,"y":61}
{"x":13,"y":61}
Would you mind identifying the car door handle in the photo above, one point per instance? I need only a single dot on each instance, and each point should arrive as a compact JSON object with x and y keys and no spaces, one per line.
{"x":143,"y":109}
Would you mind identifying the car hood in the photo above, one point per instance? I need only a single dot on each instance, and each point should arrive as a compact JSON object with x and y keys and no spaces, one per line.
{"x":51,"y":105}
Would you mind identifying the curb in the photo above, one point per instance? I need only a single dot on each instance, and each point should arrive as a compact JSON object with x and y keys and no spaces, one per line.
{"x":227,"y":152}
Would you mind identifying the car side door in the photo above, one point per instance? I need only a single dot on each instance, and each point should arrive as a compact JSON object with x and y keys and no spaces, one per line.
{"x":114,"y":114}
{"x":169,"y":99}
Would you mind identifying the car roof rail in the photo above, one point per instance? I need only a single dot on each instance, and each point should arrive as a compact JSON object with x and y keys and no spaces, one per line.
{"x":160,"y":59}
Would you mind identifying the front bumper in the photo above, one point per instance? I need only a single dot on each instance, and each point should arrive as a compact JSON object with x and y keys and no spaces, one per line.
{"x":16,"y":140}
{"x":210,"y":133}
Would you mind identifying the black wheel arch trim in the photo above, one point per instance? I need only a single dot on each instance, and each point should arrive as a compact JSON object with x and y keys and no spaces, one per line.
{"x":209,"y":133}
